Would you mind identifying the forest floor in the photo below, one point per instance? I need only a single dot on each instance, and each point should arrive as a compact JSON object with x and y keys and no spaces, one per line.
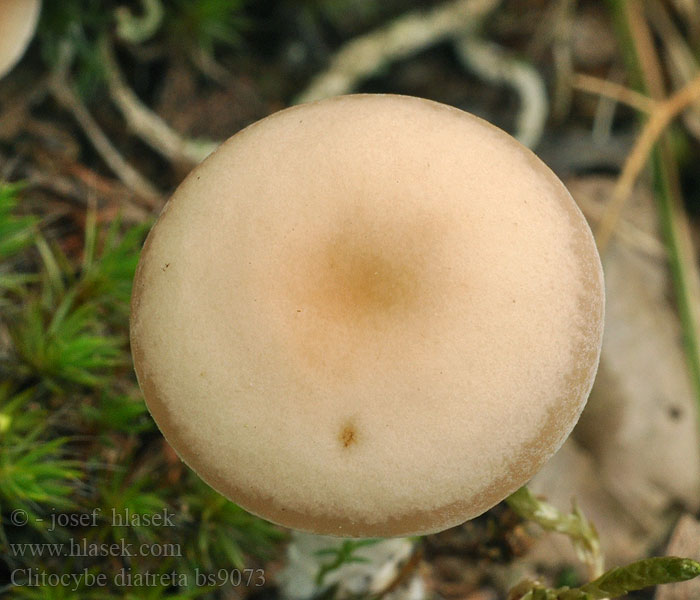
{"x":107,"y":113}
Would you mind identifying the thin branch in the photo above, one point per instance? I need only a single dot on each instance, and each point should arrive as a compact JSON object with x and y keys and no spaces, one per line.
{"x":491,"y":63}
{"x":146,"y":124}
{"x":66,"y":97}
{"x":403,"y":37}
{"x":412,"y":32}
{"x":614,"y":91}
{"x":662,"y":114}
{"x":644,"y":72}
{"x":682,"y":64}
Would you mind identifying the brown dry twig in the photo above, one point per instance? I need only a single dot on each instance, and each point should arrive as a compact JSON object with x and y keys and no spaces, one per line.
{"x":61,"y":89}
{"x":678,"y":56}
{"x":614,"y":91}
{"x":662,"y":113}
{"x":115,"y":161}
{"x":146,"y":124}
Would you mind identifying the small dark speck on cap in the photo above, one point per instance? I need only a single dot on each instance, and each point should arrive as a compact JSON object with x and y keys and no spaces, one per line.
{"x":348,"y":436}
{"x":675,"y":413}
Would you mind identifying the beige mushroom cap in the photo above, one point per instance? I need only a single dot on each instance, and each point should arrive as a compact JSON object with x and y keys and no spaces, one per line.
{"x":18,"y":19}
{"x":372,"y":315}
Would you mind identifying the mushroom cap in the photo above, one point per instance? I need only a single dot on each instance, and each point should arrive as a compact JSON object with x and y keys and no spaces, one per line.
{"x":18,"y":19}
{"x":372,"y":315}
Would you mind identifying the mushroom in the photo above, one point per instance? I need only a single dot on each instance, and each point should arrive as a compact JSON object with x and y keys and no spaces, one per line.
{"x":372,"y":315}
{"x":18,"y":19}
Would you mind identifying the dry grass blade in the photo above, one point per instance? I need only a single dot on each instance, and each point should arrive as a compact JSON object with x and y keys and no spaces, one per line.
{"x":614,"y":91}
{"x":660,"y":117}
{"x":644,"y":70}
{"x":406,"y":35}
{"x":60,"y":87}
{"x":115,"y":161}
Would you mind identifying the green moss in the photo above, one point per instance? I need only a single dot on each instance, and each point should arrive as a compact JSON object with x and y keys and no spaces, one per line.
{"x":78,"y":448}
